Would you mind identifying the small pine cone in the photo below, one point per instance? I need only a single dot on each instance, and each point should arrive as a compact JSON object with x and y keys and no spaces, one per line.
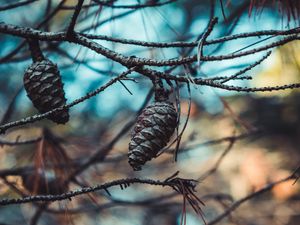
{"x":44,"y":87}
{"x":152,"y":132}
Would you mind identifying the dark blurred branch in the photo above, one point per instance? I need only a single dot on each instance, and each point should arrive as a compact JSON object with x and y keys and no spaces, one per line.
{"x":11,"y":107}
{"x":37,"y":215}
{"x":129,"y":6}
{"x":64,"y":53}
{"x":18,"y":142}
{"x":108,"y":20}
{"x":218,"y":162}
{"x":268,"y":187}
{"x":224,"y":139}
{"x":16,"y":5}
{"x":136,"y":6}
{"x":12,"y":186}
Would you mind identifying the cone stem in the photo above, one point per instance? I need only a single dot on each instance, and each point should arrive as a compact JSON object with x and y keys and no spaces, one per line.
{"x":161,"y":94}
{"x":35,"y":50}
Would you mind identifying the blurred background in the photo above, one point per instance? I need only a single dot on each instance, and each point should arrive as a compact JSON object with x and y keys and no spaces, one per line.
{"x":257,"y":133}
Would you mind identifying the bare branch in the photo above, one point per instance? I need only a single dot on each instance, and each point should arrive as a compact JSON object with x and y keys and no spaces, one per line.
{"x":236,"y":204}
{"x":68,"y":195}
{"x":70,"y":30}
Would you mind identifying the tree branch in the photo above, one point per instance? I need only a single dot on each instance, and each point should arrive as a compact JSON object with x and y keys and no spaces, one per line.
{"x":123,"y":183}
{"x":70,"y":30}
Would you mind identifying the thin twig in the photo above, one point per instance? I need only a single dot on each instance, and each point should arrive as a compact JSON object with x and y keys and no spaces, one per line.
{"x":247,"y":68}
{"x":70,"y":30}
{"x":37,"y":117}
{"x":202,"y":40}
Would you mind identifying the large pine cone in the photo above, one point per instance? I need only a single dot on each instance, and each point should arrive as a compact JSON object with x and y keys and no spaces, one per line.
{"x":152,"y":132}
{"x":44,"y":87}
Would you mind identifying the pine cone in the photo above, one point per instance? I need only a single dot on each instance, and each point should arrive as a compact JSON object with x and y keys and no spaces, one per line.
{"x":44,"y":87}
{"x":152,"y":132}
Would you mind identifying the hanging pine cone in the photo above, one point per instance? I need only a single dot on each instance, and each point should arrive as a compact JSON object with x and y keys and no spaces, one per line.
{"x":43,"y":84}
{"x":152,"y":132}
